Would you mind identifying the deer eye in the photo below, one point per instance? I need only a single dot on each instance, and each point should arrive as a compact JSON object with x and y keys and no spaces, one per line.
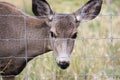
{"x":52,"y":35}
{"x":74,"y":36}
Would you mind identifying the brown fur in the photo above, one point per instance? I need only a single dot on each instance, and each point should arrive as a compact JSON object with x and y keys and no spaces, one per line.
{"x":12,"y":38}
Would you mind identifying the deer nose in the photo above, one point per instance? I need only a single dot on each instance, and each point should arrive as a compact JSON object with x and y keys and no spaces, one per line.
{"x":63,"y":65}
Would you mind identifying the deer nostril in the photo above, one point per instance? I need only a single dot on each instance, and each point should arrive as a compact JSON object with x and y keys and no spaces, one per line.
{"x":63,"y":65}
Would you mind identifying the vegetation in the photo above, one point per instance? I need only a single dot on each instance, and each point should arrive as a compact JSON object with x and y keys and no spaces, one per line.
{"x":95,"y":55}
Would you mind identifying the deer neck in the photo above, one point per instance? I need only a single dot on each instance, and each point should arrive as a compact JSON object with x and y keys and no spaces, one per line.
{"x":38,"y":36}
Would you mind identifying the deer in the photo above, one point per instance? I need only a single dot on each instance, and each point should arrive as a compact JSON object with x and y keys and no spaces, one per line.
{"x":24,"y":37}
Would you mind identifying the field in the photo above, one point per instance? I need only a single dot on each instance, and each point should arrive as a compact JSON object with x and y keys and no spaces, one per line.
{"x":96,"y":54}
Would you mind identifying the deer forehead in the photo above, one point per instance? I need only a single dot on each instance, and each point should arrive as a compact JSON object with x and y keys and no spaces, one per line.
{"x":63,"y":23}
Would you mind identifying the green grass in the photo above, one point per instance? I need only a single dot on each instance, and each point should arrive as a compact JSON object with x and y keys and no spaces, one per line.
{"x":82,"y":59}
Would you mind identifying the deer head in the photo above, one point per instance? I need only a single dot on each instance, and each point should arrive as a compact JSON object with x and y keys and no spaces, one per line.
{"x":63,"y":27}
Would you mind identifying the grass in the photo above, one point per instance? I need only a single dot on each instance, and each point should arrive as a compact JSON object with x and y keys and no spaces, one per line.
{"x":92,"y":59}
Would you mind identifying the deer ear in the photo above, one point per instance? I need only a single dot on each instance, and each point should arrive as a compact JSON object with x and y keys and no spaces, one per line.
{"x":41,"y":8}
{"x":89,"y":11}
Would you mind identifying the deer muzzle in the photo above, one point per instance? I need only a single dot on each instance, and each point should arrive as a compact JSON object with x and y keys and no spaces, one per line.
{"x":63,"y":62}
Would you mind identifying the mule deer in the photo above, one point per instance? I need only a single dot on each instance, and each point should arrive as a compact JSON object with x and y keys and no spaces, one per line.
{"x":23,"y":37}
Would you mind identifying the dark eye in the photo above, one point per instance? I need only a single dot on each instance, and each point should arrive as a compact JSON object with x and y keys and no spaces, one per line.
{"x":74,"y":36}
{"x":52,"y":35}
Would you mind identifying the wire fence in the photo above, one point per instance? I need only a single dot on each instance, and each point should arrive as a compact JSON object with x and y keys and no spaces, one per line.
{"x":87,"y":61}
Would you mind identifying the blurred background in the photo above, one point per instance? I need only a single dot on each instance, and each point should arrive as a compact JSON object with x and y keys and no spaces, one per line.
{"x":96,"y":54}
